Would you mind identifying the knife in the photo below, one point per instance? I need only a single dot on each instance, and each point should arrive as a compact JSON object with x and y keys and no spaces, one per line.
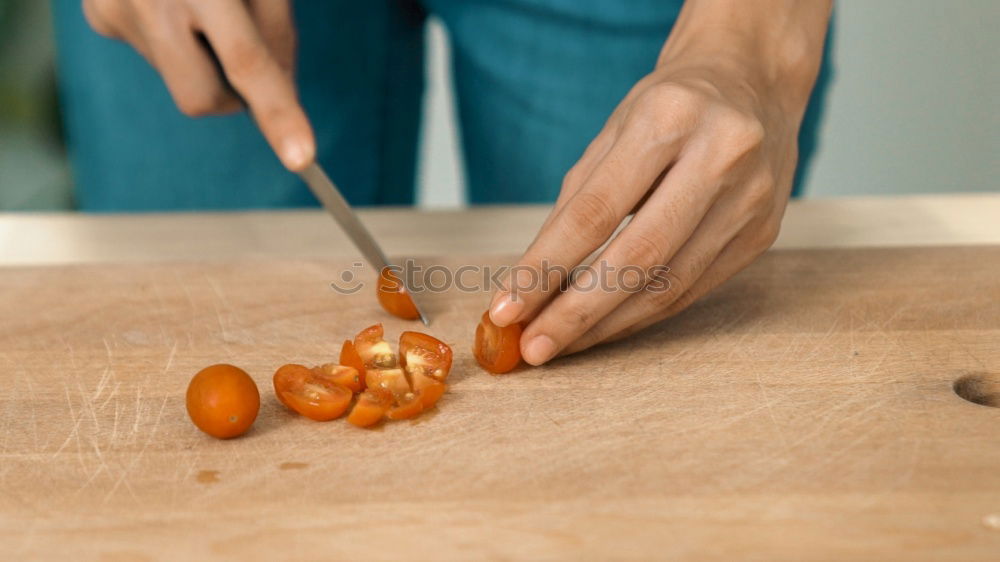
{"x":333,"y":201}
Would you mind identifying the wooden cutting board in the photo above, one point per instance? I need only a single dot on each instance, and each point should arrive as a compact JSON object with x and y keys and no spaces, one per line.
{"x":806,"y":409}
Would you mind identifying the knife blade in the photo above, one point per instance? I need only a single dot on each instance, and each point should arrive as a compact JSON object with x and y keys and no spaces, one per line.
{"x":333,"y":201}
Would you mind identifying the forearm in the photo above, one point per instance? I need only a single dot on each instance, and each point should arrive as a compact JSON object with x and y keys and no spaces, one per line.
{"x":775,"y":45}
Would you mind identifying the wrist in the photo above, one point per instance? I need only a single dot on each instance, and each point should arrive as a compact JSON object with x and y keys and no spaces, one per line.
{"x":775,"y":52}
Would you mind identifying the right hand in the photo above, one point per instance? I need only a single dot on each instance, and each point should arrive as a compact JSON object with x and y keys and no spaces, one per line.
{"x":255,"y":44}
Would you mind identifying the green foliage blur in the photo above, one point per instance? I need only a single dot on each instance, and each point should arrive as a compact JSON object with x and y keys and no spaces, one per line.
{"x":33,"y":170}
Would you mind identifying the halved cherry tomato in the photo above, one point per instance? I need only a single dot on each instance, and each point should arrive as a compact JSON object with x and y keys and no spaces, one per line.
{"x":421,"y":354}
{"x":343,"y":375}
{"x":370,"y":408}
{"x":409,"y":407}
{"x":310,"y":394}
{"x":431,"y":393}
{"x":350,"y":358}
{"x":393,"y":297}
{"x":498,"y":350}
{"x":374,"y":351}
{"x":393,"y":380}
{"x":223,"y":401}
{"x":290,"y":376}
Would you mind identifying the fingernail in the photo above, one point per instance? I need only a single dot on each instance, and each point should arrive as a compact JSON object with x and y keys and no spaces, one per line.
{"x":539,"y":350}
{"x":505,"y":310}
{"x":297,"y":154}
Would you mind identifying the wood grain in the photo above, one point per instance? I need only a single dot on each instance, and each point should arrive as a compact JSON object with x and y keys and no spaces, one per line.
{"x":805,"y":410}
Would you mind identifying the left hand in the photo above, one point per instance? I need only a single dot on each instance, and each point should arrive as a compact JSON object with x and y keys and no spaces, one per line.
{"x":703,"y":152}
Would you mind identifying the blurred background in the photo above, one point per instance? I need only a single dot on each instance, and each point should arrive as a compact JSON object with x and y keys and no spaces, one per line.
{"x":913,"y":106}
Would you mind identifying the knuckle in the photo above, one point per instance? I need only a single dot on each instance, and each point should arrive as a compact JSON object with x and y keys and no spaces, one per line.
{"x":671,"y":287}
{"x":572,"y":178}
{"x":201,"y":103}
{"x":578,"y":317}
{"x":245,"y":62}
{"x":742,"y":132}
{"x":664,"y":108}
{"x":591,"y":215}
{"x":760,"y":194}
{"x":644,"y":248}
{"x":767,"y":235}
{"x":101,"y":15}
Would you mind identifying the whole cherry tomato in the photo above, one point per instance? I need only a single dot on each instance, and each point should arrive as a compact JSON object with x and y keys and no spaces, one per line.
{"x":223,"y":401}
{"x":393,"y":297}
{"x":498,"y":350}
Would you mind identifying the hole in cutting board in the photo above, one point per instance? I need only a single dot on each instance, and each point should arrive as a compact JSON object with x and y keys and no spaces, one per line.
{"x":979,"y":388}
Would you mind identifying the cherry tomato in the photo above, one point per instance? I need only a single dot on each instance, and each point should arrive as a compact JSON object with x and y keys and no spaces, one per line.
{"x":409,"y":407}
{"x":393,"y":380}
{"x":347,"y":377}
{"x":431,"y":393}
{"x":374,"y":351}
{"x":290,"y":376}
{"x":370,"y":408}
{"x":425,"y":355}
{"x":311,"y":394}
{"x":349,"y":357}
{"x":393,"y":297}
{"x":497,"y":349}
{"x":223,"y":401}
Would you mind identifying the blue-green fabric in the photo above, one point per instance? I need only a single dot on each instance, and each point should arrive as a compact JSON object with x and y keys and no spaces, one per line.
{"x":535,"y":80}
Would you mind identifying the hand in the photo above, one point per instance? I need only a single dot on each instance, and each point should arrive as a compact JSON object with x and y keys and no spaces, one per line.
{"x":703,"y":151}
{"x":255,"y":44}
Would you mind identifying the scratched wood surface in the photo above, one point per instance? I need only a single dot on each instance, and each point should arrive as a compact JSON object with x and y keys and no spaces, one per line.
{"x":805,"y":410}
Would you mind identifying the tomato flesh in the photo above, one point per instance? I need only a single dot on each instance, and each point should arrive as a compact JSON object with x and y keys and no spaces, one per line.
{"x":370,"y":408}
{"x":409,"y":407}
{"x":393,"y":297}
{"x":392,"y":380}
{"x":374,"y":351}
{"x":498,"y":350}
{"x":311,"y":394}
{"x":343,"y":375}
{"x":349,"y":358}
{"x":421,"y":354}
{"x":222,"y":401}
{"x":430,"y":394}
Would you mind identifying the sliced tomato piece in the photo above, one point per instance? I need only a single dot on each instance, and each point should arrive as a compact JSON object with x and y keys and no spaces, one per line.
{"x":374,"y":351}
{"x":340,"y":374}
{"x":370,"y":408}
{"x":431,"y":393}
{"x":349,"y":357}
{"x":410,"y":406}
{"x":392,"y":380}
{"x":498,"y":350}
{"x":393,"y":297}
{"x":290,"y":376}
{"x":314,"y":396}
{"x":421,"y":354}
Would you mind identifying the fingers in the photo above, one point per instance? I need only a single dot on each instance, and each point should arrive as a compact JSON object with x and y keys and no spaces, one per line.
{"x":262,"y":81}
{"x":276,"y":23}
{"x":737,"y":255}
{"x":675,"y":210}
{"x":584,"y":222}
{"x":188,"y":70}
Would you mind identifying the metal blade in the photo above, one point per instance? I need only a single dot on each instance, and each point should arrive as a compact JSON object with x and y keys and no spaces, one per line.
{"x":335,"y":204}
